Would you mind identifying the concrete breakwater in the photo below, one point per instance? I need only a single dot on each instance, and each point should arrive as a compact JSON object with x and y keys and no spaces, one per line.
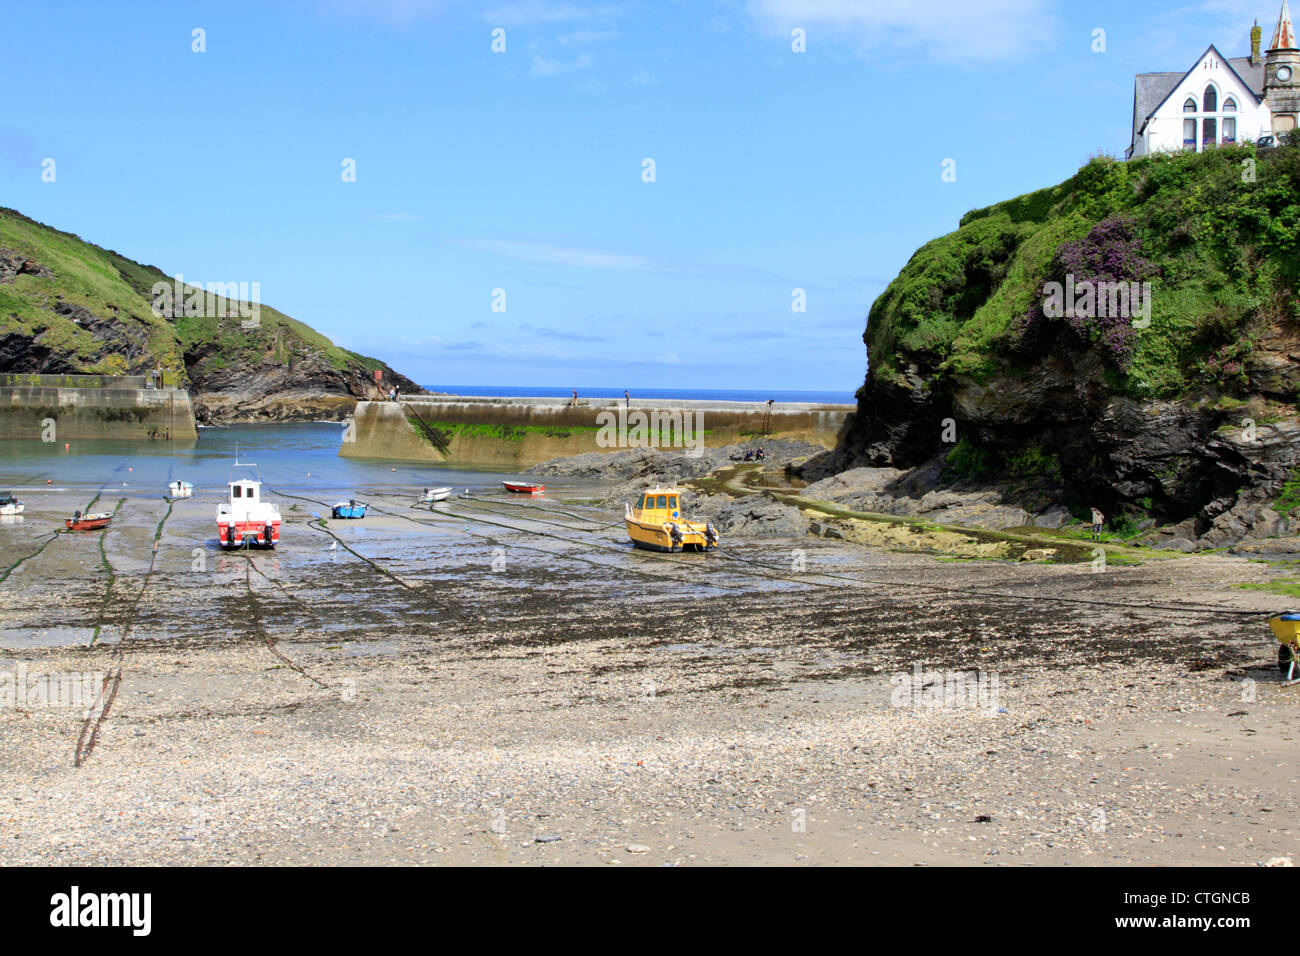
{"x":60,"y":408}
{"x":524,"y":431}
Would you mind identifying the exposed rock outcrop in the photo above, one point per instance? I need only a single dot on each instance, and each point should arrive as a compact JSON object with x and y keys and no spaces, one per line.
{"x":1184,"y":422}
{"x":757,"y":516}
{"x":15,"y":264}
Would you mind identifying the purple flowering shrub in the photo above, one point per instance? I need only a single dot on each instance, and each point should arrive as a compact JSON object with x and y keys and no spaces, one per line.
{"x":1226,"y":365}
{"x":1110,"y":252}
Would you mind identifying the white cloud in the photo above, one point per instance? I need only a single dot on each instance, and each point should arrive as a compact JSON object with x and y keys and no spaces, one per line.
{"x":398,"y":12}
{"x":961,"y":30}
{"x":531,"y":12}
{"x":550,"y":254}
{"x":586,"y":37}
{"x":1231,"y":21}
{"x":543,"y":66}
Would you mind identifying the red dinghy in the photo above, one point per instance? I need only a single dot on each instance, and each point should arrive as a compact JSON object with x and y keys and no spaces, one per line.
{"x":91,"y":522}
{"x":524,"y":487}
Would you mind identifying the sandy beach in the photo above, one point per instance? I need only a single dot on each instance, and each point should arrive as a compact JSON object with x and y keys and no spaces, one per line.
{"x":505,"y":681}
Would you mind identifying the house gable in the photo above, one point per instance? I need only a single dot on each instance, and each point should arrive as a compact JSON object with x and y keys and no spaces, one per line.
{"x":1211,"y":67}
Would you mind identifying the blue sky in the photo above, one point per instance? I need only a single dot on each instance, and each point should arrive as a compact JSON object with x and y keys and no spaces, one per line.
{"x":523,"y":170}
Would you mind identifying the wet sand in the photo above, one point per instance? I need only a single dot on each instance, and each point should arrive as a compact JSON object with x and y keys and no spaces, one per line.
{"x":505,"y":681}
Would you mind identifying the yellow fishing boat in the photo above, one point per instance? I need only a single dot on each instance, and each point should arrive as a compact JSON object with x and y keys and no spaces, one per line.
{"x":655,"y":523}
{"x":1286,"y":628}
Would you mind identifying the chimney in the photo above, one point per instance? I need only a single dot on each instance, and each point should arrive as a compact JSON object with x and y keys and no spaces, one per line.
{"x":1256,"y":36}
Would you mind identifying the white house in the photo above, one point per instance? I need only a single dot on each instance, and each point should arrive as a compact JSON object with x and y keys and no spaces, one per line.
{"x":1220,"y":100}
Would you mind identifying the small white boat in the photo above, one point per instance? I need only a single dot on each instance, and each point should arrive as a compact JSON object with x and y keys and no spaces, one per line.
{"x":9,"y":505}
{"x":436,"y":494}
{"x":181,"y":489}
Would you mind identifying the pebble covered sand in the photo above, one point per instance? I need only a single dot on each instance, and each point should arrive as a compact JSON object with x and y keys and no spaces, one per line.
{"x":503,"y":681}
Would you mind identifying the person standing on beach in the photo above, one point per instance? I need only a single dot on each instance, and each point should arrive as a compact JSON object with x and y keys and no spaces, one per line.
{"x":1098,"y":519}
{"x":574,"y":401}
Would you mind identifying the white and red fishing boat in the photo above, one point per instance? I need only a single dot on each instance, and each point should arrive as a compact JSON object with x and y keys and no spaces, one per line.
{"x":245,"y":519}
{"x":524,"y":487}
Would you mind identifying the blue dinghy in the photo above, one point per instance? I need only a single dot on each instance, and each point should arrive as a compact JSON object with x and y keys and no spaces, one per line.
{"x":349,"y":509}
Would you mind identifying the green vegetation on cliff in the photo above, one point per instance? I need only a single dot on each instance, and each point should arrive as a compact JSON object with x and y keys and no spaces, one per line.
{"x":69,"y":288}
{"x":1128,"y":339}
{"x":67,"y":306}
{"x":1217,"y":234}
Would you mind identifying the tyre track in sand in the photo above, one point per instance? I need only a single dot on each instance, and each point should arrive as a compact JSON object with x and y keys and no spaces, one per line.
{"x":112,"y":682}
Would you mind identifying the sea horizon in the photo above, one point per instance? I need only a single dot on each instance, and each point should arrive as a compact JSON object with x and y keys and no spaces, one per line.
{"x":815,"y":396}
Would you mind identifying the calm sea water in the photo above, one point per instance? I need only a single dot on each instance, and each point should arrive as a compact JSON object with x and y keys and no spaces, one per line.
{"x":700,"y":394}
{"x":303,"y":456}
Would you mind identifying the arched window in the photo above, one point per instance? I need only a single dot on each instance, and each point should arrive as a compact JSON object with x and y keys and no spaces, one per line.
{"x":1189,"y":106}
{"x":1229,"y":105}
{"x":1211,"y":100}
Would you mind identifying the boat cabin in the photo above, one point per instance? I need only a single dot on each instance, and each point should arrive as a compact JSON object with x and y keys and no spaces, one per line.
{"x":659,"y":503}
{"x":245,"y":491}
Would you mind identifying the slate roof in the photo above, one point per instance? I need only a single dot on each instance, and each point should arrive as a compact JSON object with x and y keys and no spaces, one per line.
{"x":1150,"y":90}
{"x":1252,"y":76}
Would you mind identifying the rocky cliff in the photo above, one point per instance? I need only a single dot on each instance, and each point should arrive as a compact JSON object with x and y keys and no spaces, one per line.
{"x":1129,"y":339}
{"x":70,"y":306}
